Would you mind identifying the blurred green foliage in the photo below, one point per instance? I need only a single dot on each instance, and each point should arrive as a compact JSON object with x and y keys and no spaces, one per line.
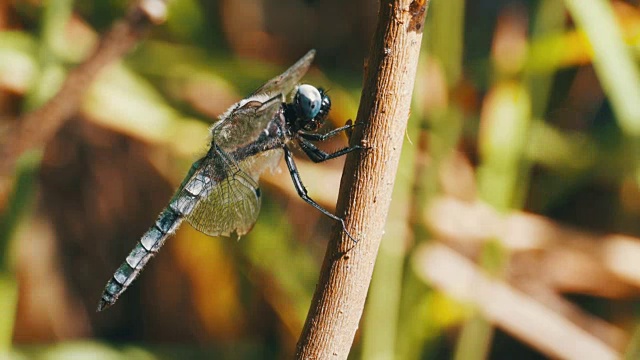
{"x":539,"y":98}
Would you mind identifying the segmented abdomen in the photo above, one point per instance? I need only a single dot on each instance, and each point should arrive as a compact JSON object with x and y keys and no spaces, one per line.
{"x":146,"y":248}
{"x":169,"y":220}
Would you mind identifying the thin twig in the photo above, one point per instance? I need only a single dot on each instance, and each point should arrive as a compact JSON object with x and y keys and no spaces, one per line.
{"x":569,"y":260}
{"x":35,"y":129}
{"x":340,"y":295}
{"x":513,"y":311}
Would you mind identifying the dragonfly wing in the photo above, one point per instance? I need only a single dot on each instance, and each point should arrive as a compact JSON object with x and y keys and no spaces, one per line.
{"x":285,"y":82}
{"x":259,"y":163}
{"x":245,"y":123}
{"x":230,"y":199}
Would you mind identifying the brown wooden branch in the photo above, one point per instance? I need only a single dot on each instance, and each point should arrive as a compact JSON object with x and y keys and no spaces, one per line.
{"x":367,"y":182}
{"x":35,"y":129}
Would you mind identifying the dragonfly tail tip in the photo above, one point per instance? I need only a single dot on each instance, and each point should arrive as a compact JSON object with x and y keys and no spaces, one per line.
{"x":102,"y":305}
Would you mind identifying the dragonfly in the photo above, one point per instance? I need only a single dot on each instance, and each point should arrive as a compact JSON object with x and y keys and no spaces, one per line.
{"x":220,"y":194}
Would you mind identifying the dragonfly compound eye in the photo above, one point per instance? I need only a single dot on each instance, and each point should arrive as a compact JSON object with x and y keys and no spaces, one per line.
{"x":309,"y":101}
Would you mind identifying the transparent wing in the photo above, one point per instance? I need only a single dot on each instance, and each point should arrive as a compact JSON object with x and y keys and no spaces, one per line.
{"x":259,"y":163}
{"x":244,"y":123}
{"x":284,"y":83}
{"x":246,"y":120}
{"x":229,"y":199}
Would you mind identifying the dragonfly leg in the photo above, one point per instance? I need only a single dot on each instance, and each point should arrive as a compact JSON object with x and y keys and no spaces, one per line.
{"x":302,"y":191}
{"x":330,"y":134}
{"x":317,"y":155}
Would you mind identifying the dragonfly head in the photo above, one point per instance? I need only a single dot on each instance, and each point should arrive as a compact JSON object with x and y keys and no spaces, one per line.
{"x":312,"y":106}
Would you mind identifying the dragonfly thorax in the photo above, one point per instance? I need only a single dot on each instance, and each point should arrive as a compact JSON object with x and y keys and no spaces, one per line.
{"x":308,"y":110}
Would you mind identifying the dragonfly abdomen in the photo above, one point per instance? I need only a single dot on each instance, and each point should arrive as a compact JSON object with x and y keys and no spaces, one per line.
{"x":145,"y":249}
{"x":181,"y":205}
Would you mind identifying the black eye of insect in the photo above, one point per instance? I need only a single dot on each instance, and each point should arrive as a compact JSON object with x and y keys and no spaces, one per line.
{"x":325,"y":105}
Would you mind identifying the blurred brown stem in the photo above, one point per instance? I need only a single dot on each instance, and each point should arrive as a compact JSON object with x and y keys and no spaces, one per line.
{"x":515,"y":312}
{"x":367,"y":183}
{"x":35,"y":129}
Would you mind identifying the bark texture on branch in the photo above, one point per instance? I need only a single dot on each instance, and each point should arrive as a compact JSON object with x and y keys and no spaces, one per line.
{"x":367,"y":182}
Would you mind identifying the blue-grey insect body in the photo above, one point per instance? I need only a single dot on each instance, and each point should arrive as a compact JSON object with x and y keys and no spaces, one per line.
{"x":220,"y":194}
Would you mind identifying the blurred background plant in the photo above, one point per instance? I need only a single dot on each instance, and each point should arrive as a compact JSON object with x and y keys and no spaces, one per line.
{"x":514,"y":229}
